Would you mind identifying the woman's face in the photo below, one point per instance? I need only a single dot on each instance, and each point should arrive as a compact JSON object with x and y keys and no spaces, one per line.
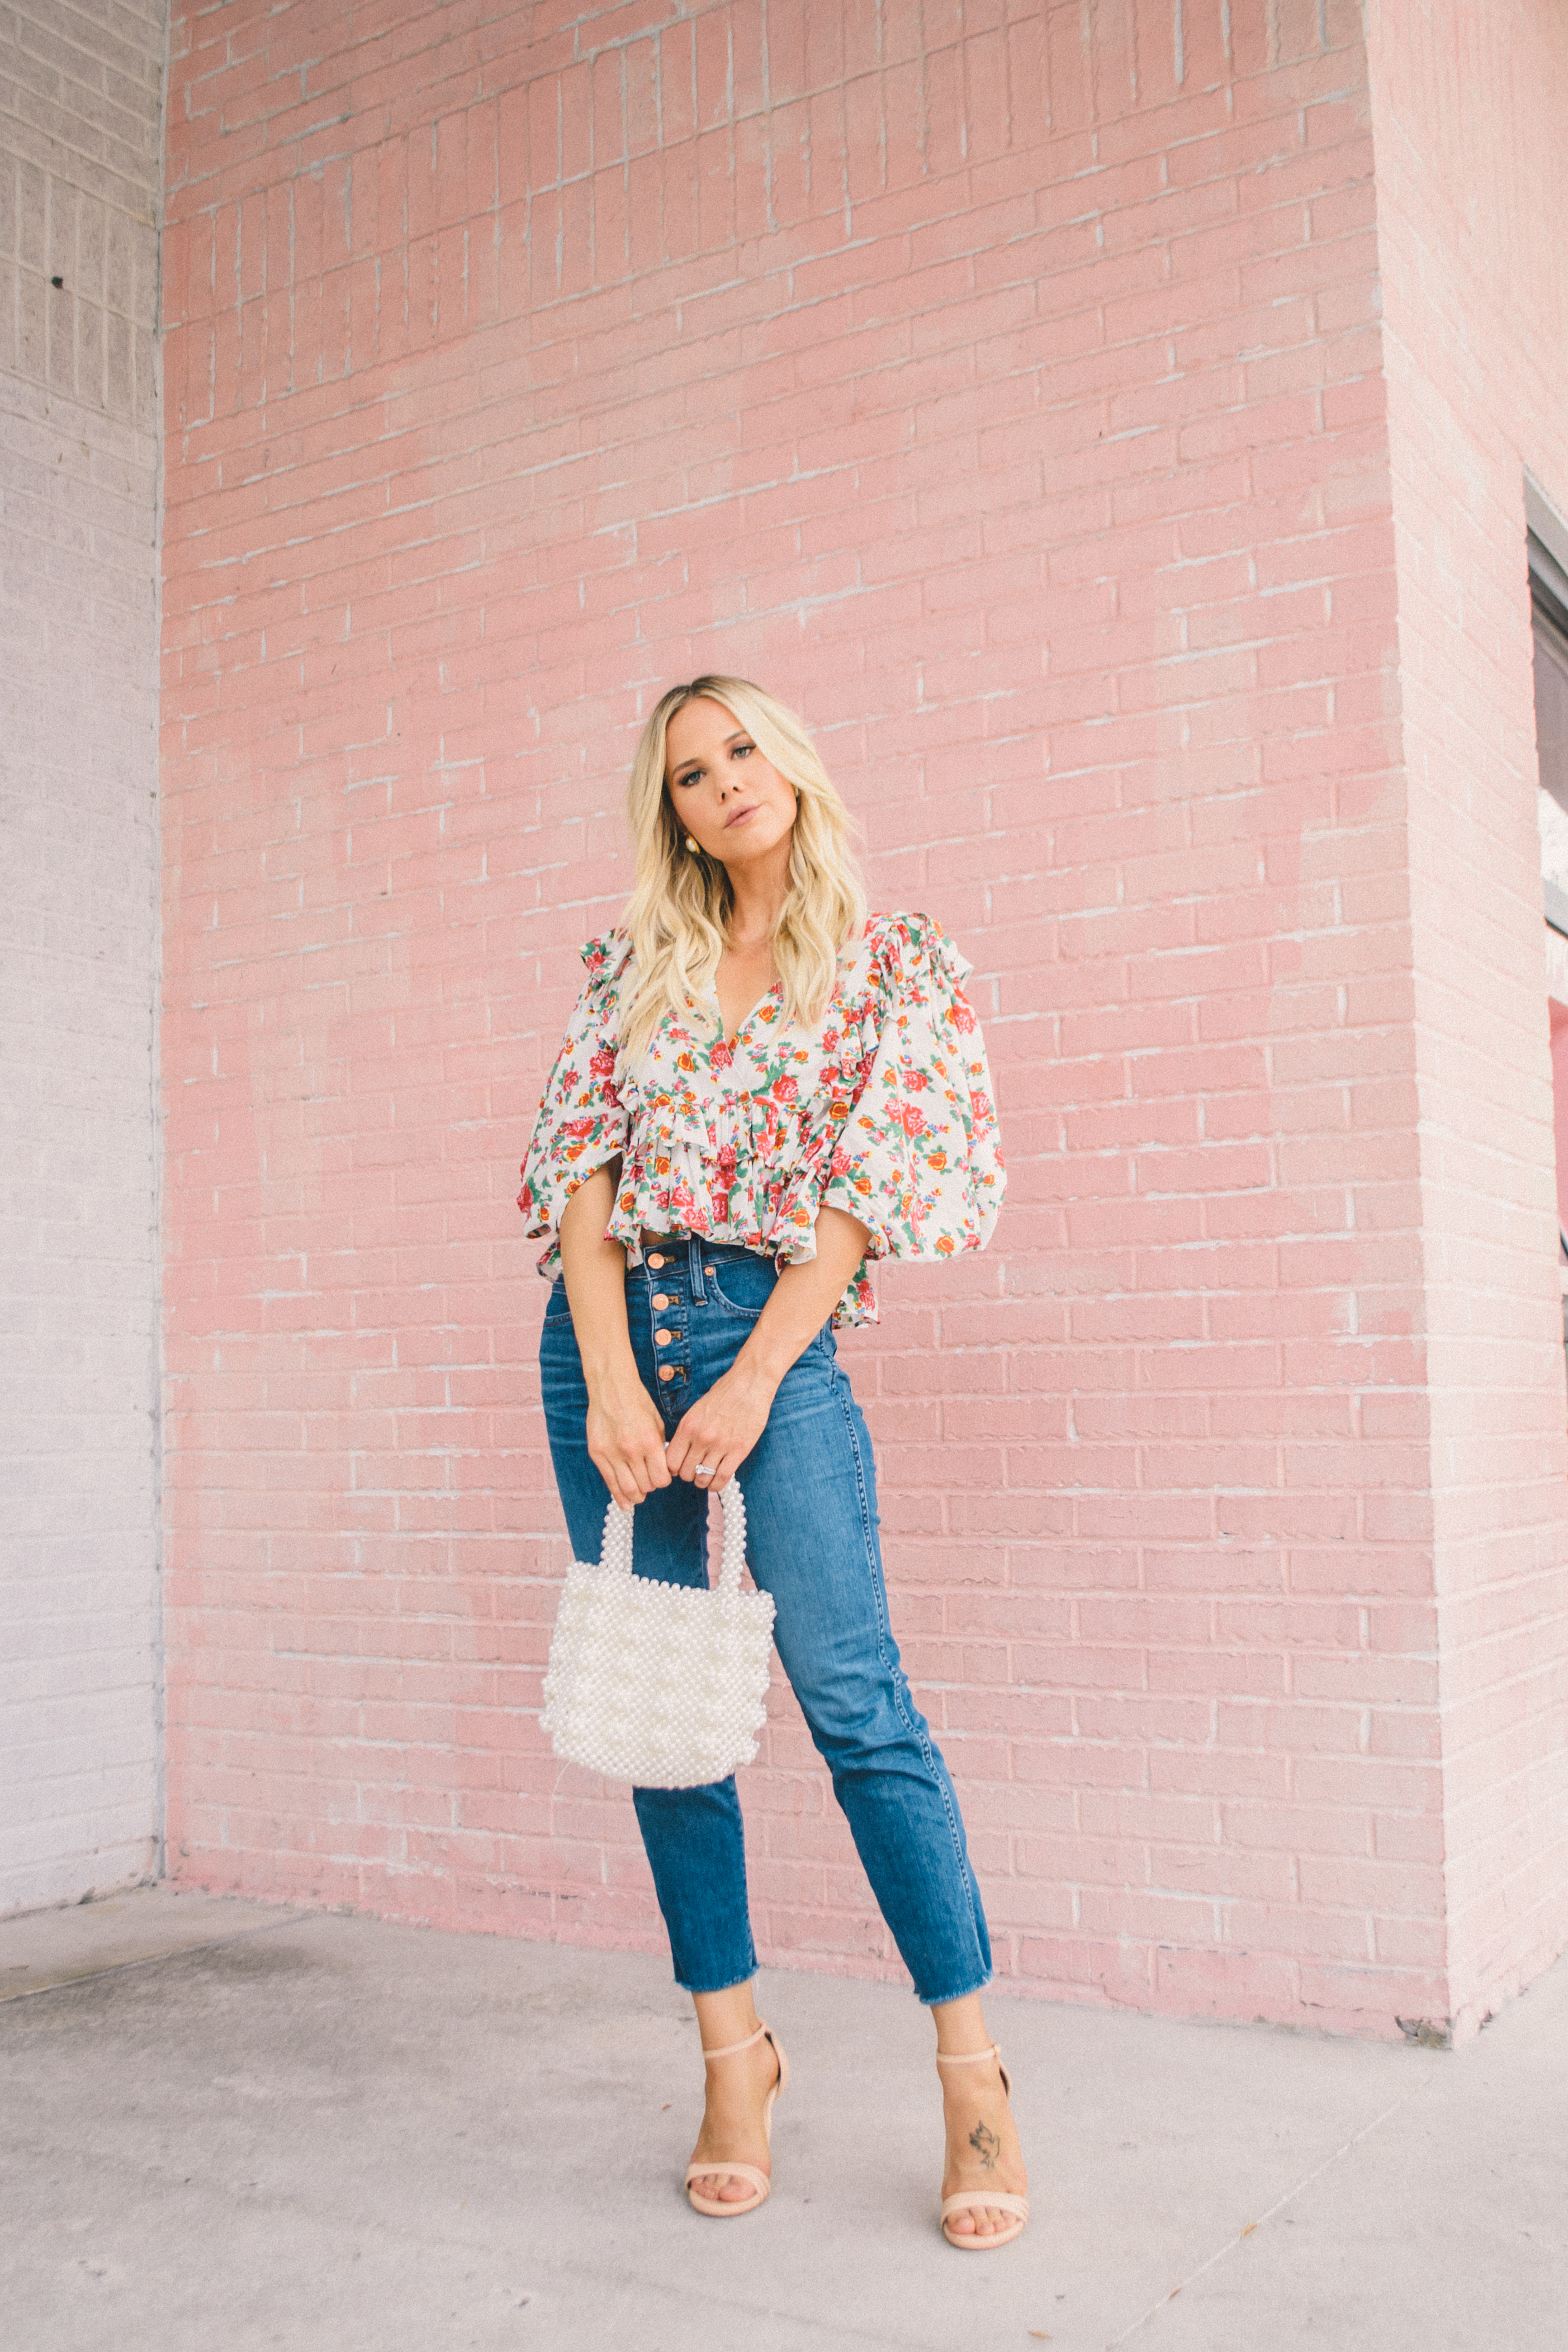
{"x":723,"y":792}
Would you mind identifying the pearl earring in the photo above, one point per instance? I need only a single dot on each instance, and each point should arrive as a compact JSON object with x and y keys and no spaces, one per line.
{"x":692,"y":846}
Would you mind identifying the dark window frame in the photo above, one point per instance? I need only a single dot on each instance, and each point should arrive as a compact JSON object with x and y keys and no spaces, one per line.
{"x":1546,"y":542}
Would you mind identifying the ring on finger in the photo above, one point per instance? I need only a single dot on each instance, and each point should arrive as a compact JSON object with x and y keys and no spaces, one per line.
{"x":705,"y":1469}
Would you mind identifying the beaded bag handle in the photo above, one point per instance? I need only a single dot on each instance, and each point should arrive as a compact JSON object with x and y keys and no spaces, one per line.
{"x":616,"y":1552}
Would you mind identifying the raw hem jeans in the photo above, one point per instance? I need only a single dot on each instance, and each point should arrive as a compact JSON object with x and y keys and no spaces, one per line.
{"x":811,"y":1529}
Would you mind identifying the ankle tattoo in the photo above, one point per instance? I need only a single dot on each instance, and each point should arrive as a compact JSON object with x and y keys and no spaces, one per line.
{"x":986,"y":2145}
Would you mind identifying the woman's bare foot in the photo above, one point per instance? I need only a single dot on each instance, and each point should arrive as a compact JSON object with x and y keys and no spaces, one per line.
{"x":983,"y":2150}
{"x":733,"y":2128}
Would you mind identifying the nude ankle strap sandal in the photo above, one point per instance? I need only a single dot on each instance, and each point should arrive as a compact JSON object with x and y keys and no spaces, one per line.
{"x":975,"y":2200}
{"x":718,"y":2210}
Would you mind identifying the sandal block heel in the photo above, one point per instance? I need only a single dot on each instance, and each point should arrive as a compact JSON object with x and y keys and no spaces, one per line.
{"x":715,"y":2208}
{"x":975,"y":2201}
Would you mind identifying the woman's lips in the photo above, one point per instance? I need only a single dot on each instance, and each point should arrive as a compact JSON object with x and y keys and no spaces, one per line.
{"x":740,"y":817}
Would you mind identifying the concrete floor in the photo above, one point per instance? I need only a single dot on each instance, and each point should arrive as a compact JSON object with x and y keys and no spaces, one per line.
{"x":226,"y":2126}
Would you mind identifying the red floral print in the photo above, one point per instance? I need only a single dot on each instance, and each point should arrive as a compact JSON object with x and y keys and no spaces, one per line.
{"x":884,"y":1112}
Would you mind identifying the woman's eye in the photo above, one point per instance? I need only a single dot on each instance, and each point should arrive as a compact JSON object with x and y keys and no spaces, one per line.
{"x":741,"y":750}
{"x":690,"y":779}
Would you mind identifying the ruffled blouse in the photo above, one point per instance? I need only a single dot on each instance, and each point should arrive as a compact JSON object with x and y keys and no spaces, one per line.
{"x":885,"y":1109}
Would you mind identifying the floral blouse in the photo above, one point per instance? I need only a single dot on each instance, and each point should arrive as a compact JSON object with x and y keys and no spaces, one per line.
{"x":884,"y":1110}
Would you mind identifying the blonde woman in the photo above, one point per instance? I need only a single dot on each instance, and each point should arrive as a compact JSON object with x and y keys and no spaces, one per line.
{"x":759,"y":1091}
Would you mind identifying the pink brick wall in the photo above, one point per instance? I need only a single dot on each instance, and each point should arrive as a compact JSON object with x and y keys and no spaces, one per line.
{"x":1469,"y":114}
{"x":1015,"y":405}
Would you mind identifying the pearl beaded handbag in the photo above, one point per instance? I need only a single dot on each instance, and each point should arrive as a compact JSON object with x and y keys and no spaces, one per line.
{"x":661,"y":1685}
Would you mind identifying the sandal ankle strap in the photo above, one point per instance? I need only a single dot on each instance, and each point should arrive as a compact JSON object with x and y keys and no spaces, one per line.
{"x":732,"y":2050}
{"x":968,"y":2057}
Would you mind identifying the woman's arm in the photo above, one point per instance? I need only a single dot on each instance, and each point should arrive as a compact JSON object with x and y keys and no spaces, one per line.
{"x":721,"y":1428}
{"x":625,"y":1432}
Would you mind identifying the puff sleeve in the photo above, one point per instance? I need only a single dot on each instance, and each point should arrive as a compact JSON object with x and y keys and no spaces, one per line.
{"x":581,"y":1123}
{"x":917,"y":1159}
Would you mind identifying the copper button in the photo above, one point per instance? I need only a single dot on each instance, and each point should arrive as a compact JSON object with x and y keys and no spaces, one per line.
{"x":661,"y":1338}
{"x":655,"y":1259}
{"x":660,"y":1301}
{"x":665,"y":1372}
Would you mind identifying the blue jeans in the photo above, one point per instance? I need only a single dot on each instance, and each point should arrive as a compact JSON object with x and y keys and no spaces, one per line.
{"x":812,"y":1542}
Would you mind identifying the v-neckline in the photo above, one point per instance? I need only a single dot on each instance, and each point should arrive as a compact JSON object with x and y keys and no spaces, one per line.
{"x":729,"y":1044}
{"x":846,"y":965}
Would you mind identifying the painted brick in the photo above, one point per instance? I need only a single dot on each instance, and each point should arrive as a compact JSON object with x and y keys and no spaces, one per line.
{"x":79,"y":1796}
{"x":1471,"y":406}
{"x":1017,"y":401}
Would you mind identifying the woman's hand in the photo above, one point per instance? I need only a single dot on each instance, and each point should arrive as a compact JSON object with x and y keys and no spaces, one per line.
{"x":718,"y":1429}
{"x":625,"y":1430}
{"x":626,"y":1437}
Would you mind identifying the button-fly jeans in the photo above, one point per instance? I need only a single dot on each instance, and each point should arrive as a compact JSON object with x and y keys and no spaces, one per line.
{"x":811,"y":1542}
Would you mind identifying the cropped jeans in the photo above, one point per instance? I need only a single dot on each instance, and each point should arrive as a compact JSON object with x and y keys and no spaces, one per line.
{"x":812,"y":1542}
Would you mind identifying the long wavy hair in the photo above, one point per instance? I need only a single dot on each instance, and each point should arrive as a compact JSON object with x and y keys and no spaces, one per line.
{"x":678,"y":914}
